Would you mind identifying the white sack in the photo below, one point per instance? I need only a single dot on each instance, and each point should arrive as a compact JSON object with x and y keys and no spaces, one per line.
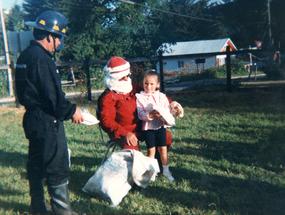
{"x":144,"y":169}
{"x":115,"y":177}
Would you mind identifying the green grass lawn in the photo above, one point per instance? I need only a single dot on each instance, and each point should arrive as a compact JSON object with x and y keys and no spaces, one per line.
{"x":228,"y":157}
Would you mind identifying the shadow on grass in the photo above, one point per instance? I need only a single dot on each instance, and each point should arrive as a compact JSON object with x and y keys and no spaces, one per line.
{"x":80,"y":177}
{"x":14,"y":206}
{"x":10,"y":191}
{"x":12,"y":159}
{"x":87,"y":141}
{"x":87,"y":162}
{"x":226,"y":194}
{"x":268,"y":154}
{"x":250,"y":99}
{"x":90,"y":207}
{"x":174,"y":197}
{"x":271,"y":153}
{"x":216,"y":150}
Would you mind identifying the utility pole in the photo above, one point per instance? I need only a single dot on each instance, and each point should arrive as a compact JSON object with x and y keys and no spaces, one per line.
{"x":160,"y":61}
{"x":7,"y":57}
{"x":269,"y":24}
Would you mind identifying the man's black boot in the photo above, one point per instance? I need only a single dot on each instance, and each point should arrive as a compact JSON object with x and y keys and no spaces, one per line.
{"x":60,"y":200}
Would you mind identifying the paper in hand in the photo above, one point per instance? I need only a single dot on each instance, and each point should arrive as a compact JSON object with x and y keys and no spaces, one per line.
{"x":166,"y":115}
{"x":88,"y":118}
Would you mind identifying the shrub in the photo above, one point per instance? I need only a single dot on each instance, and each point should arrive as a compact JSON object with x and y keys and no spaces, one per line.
{"x":274,"y":70}
{"x":3,"y":84}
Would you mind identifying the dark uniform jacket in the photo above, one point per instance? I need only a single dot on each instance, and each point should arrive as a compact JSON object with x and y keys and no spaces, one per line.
{"x":38,"y":83}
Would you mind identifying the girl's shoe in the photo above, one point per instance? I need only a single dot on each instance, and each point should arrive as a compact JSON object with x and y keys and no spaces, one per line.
{"x":168,"y":175}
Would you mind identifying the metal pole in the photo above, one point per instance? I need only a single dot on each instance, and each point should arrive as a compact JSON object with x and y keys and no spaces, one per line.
{"x":160,"y":60}
{"x":88,"y":82}
{"x":10,"y":83}
{"x":229,"y":73}
{"x":269,"y":24}
{"x":250,"y":63}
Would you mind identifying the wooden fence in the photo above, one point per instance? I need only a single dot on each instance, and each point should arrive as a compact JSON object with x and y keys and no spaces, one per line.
{"x":159,"y":59}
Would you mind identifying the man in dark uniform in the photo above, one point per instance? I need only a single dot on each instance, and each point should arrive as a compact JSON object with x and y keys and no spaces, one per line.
{"x":39,"y":90}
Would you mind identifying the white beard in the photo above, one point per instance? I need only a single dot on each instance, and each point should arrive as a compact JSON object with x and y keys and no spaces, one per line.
{"x":123,"y":86}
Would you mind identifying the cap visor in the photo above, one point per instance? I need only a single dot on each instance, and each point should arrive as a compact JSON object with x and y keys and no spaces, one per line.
{"x":32,"y":24}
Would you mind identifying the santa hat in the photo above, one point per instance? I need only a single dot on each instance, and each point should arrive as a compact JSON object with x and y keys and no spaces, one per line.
{"x":117,"y":68}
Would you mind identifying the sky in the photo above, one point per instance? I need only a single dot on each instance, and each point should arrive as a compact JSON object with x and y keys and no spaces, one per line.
{"x":8,"y":4}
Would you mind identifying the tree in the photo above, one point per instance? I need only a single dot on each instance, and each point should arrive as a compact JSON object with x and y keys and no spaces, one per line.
{"x":99,"y":29}
{"x":87,"y":39}
{"x":190,"y":21}
{"x":247,"y":21}
{"x":16,"y":19}
{"x":278,"y":25}
{"x":103,"y":28}
{"x":33,"y":8}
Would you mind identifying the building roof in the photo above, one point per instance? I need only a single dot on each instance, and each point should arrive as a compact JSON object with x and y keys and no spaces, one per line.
{"x":197,"y":47}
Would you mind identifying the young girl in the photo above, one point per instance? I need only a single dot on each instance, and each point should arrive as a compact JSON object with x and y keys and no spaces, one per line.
{"x":154,"y":110}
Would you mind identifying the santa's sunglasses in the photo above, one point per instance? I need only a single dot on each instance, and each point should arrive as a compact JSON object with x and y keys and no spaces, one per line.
{"x":126,"y":76}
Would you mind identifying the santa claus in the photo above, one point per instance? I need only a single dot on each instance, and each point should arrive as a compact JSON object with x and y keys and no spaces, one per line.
{"x":117,"y":110}
{"x":117,"y":105}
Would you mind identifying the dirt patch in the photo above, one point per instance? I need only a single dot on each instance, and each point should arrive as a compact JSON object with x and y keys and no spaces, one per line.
{"x":19,"y":111}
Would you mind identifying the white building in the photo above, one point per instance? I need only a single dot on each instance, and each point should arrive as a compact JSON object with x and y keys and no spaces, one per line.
{"x":194,"y":56}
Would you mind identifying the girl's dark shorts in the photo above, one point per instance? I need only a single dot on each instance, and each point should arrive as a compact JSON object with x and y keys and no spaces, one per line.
{"x":154,"y":138}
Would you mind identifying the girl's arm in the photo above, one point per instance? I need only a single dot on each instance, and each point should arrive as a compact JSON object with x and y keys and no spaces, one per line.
{"x":142,"y":113}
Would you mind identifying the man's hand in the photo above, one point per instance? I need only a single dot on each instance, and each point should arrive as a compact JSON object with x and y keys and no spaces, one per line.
{"x":77,"y":117}
{"x":131,"y":139}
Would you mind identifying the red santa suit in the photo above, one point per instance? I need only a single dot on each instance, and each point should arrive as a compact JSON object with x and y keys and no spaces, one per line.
{"x":117,"y":105}
{"x":118,"y":115}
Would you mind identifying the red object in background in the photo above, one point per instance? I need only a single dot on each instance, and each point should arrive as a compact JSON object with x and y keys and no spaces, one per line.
{"x":168,"y":138}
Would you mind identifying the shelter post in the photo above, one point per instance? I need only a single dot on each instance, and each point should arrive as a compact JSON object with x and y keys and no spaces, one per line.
{"x":228,"y":68}
{"x":160,"y":60}
{"x":88,"y":82}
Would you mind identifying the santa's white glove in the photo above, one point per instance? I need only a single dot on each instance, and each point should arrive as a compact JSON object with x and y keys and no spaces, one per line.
{"x":176,"y":109}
